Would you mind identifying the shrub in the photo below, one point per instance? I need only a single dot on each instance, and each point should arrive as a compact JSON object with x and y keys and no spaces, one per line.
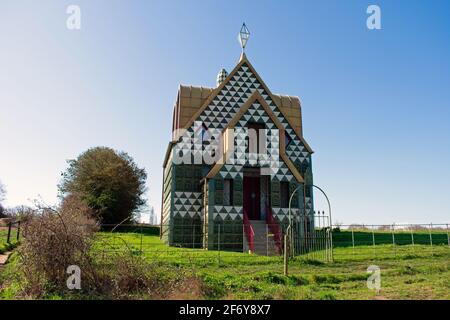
{"x":53,"y":240}
{"x":57,"y":238}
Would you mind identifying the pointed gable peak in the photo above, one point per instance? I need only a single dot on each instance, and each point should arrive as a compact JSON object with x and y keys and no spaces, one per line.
{"x":242,"y":57}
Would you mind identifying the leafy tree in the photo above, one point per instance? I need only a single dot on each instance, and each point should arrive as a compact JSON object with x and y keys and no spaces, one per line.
{"x":108,"y":181}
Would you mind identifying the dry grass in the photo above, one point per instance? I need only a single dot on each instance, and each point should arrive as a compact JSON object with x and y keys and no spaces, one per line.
{"x":56,"y":238}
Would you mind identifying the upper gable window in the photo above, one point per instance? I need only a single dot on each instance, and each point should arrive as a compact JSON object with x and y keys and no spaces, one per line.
{"x":287,"y":140}
{"x":204,"y":132}
{"x":256,"y":138}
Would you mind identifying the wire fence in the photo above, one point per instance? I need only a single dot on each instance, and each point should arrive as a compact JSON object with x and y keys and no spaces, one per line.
{"x":225,"y":246}
{"x":398,"y":240}
{"x":229,"y":243}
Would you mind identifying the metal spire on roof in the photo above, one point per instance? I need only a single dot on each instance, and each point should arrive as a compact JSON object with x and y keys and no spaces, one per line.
{"x":244,"y":34}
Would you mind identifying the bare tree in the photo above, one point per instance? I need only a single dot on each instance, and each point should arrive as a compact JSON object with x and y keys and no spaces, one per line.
{"x":20,"y":212}
{"x":2,"y":197}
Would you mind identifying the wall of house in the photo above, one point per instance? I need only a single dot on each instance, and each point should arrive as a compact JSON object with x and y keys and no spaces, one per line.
{"x":186,"y":220}
{"x":225,"y":230}
{"x":167,"y":201}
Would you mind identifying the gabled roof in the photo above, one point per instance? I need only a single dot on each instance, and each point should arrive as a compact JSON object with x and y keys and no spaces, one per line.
{"x":189,"y":100}
{"x":256,"y":97}
{"x":286,"y":105}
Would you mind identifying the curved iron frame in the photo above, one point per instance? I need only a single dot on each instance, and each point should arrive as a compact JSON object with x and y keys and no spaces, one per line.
{"x":288,"y":229}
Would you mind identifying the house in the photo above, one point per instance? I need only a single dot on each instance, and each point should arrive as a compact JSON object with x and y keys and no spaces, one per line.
{"x":237,"y":155}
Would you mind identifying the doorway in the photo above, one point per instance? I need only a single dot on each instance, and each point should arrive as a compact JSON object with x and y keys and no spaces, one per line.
{"x":252,"y":197}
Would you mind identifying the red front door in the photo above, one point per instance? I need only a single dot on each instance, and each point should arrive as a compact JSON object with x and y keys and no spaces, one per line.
{"x":252,"y":199}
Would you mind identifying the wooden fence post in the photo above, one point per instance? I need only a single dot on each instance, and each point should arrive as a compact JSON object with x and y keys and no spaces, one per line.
{"x":286,"y":254}
{"x":18,"y":230}
{"x":8,"y":238}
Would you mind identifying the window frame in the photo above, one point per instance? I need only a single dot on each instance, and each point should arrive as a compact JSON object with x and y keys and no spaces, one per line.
{"x":230,"y":200}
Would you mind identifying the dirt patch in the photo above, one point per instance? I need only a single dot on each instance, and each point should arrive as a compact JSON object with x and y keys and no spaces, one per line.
{"x":3,"y":258}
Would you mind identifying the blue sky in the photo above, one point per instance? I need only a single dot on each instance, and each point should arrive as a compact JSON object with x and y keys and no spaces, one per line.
{"x":376,"y":103}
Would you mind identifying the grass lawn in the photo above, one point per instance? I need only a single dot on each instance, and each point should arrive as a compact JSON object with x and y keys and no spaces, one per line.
{"x":407,"y":272}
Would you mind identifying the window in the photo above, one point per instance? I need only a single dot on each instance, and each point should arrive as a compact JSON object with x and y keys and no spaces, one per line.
{"x":287,"y":140}
{"x":228,"y":192}
{"x":256,"y":138}
{"x":201,"y":132}
{"x":204,"y":132}
{"x":284,"y":194}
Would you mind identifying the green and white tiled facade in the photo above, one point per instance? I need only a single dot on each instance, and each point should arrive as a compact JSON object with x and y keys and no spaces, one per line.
{"x":193,"y":208}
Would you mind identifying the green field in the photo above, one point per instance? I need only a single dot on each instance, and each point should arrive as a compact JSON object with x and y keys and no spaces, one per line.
{"x":366,"y":237}
{"x":408,"y":272}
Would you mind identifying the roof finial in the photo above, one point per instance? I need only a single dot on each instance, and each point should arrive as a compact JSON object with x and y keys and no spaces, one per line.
{"x":221,"y":76}
{"x":244,"y":34}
